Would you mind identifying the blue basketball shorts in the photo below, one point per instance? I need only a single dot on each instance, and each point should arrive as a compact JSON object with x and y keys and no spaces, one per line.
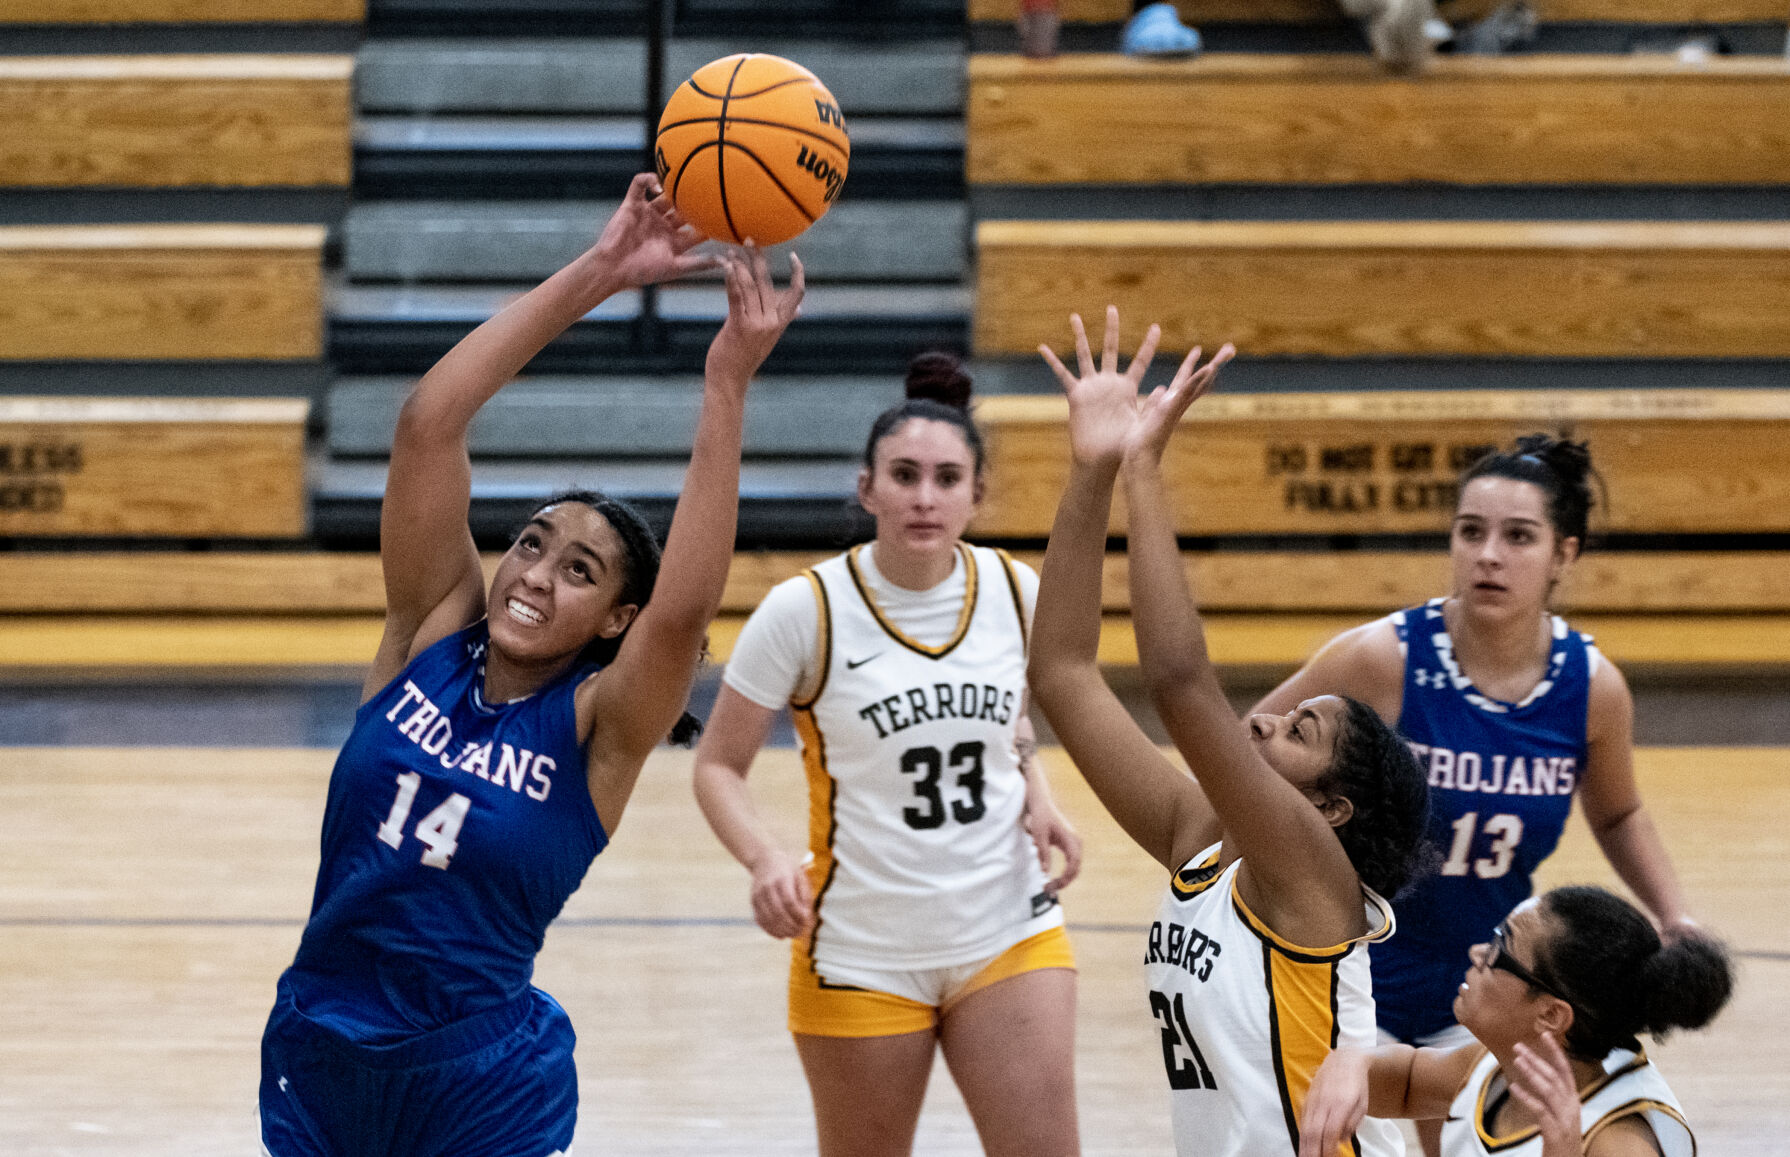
{"x":498,"y":1084}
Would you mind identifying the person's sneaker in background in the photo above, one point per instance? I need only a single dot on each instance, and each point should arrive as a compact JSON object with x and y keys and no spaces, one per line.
{"x":1157,"y":31}
{"x":1510,"y":27}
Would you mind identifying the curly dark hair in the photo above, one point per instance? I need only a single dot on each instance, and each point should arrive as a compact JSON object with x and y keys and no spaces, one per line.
{"x":641,"y":548}
{"x":1376,"y":771}
{"x":1620,"y":978}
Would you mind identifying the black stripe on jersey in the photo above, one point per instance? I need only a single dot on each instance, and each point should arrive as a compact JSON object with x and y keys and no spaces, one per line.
{"x":1019,"y":603}
{"x":1280,"y":1069}
{"x":964,"y":618}
{"x":820,"y":740}
{"x":1255,"y":926}
{"x":825,"y":609}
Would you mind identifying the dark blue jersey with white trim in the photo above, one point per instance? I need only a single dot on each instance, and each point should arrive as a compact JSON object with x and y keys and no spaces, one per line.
{"x":454,"y":832}
{"x":1502,"y":777}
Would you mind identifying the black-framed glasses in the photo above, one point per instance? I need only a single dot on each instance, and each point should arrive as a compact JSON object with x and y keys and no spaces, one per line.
{"x":1501,"y":958}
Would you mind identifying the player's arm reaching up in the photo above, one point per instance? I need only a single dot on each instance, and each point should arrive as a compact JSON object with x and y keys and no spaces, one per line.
{"x":1154,"y":801}
{"x":629,"y":707}
{"x":433,"y":585}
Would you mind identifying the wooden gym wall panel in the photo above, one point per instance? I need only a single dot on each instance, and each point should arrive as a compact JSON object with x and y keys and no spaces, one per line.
{"x":1320,"y":119}
{"x":173,"y":121}
{"x":170,"y":467}
{"x":161,"y":291}
{"x":182,"y":11}
{"x":1196,"y":12}
{"x":1350,"y":289}
{"x":1673,"y":461}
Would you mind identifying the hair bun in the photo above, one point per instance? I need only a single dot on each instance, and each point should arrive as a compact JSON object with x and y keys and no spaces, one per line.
{"x":939,"y":377}
{"x":1685,"y":984}
{"x":1570,"y":461}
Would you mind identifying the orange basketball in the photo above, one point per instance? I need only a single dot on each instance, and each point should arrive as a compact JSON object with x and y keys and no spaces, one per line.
{"x":752,"y":146}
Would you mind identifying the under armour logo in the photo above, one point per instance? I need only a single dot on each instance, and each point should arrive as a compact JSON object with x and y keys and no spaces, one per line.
{"x":1428,"y":678}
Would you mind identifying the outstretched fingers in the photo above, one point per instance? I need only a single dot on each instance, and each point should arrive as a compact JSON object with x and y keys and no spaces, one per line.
{"x":1057,"y":367}
{"x":1146,"y":353}
{"x":1109,"y":346}
{"x":1084,"y":357}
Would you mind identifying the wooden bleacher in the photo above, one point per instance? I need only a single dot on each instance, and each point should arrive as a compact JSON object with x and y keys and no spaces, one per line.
{"x":169,"y":120}
{"x":150,"y":467}
{"x":1196,"y":12}
{"x":161,"y":291}
{"x":1679,"y":610}
{"x":182,"y":11}
{"x":1641,"y":289}
{"x":1326,"y":119}
{"x":1673,"y":461}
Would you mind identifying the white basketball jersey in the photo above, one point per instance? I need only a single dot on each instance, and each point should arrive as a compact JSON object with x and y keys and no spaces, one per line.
{"x":1246,"y":1018}
{"x":914,"y":787}
{"x":1630,"y":1086}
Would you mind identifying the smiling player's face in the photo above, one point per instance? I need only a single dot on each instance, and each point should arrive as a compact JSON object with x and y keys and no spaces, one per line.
{"x":556,"y":588}
{"x":1505,"y":551}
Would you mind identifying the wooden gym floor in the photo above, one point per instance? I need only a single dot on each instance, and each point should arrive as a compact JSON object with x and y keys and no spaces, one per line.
{"x":149,"y":897}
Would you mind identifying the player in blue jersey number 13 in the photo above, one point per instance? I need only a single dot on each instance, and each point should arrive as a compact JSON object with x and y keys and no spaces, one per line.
{"x":1513,"y":713}
{"x":499,"y":738}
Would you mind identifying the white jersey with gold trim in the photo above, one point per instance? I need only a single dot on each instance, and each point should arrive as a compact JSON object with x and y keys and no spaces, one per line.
{"x":1631,"y":1086}
{"x":916,"y":796}
{"x":1246,"y":1018}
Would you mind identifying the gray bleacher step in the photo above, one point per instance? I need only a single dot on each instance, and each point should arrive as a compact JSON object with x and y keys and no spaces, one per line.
{"x":608,"y":75}
{"x":652,"y":478}
{"x":694,"y":303}
{"x":528,"y":240}
{"x":783,"y":504}
{"x":624,"y":416}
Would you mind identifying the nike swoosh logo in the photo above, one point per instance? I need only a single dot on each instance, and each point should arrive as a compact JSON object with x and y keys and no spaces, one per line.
{"x":854,"y":664}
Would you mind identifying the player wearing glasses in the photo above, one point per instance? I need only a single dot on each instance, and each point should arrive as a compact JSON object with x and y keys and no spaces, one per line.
{"x":1555,"y":1000}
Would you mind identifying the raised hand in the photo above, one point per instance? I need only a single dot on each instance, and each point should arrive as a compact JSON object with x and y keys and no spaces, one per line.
{"x":1158,"y":414}
{"x":1542,"y":1082}
{"x":1102,"y":402}
{"x":757,"y":314}
{"x":647,"y":241}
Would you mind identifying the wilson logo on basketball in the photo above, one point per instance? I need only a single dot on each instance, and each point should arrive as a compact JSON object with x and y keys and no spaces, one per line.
{"x":829,"y":114}
{"x":822,"y":171}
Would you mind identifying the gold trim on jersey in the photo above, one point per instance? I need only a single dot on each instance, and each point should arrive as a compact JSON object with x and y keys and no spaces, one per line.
{"x":824,"y":651}
{"x":1636,"y":1108}
{"x":1194,"y":878}
{"x":895,"y":632}
{"x":1019,"y":603}
{"x":1495,"y":1144}
{"x":1302,"y":1026}
{"x":822,"y":823}
{"x":1299,"y":952}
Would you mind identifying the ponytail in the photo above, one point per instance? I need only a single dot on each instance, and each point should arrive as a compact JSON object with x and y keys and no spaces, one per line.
{"x":1621,"y":979}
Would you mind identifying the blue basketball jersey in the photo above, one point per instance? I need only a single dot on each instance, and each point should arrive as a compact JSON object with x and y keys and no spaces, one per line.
{"x":1501,"y":777}
{"x":454,"y":832}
